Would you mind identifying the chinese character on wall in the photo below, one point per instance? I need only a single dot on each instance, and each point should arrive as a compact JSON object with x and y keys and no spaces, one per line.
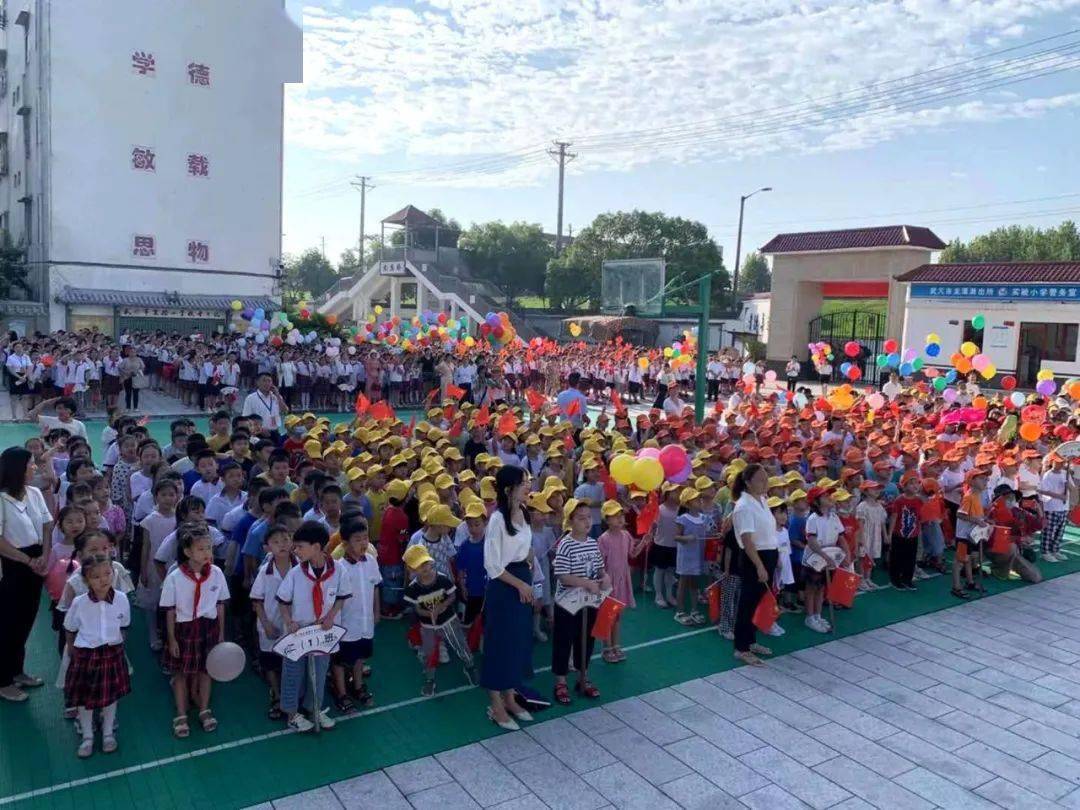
{"x":143,"y":63}
{"x":143,"y":246}
{"x":142,"y":158}
{"x":198,"y":165}
{"x":198,"y":74}
{"x":198,"y":251}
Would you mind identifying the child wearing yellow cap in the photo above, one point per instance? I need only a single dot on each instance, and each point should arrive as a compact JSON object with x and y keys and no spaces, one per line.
{"x":689,"y":556}
{"x":617,"y":546}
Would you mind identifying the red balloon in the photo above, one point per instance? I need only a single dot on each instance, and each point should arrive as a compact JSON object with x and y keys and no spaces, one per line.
{"x":890,"y":346}
{"x":853,"y":373}
{"x":852,"y":348}
{"x":1008,"y":383}
{"x":673,"y":459}
{"x":484,"y":330}
{"x":498,"y":332}
{"x":442,"y":318}
{"x":369,"y":327}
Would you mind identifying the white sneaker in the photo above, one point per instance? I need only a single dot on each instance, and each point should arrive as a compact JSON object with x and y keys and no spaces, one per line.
{"x":1051,"y":557}
{"x":300,"y":723}
{"x":444,"y":654}
{"x":86,"y":748}
{"x":660,"y":603}
{"x":684,"y":619}
{"x":775,"y":630}
{"x":815,"y":624}
{"x":326,"y":721}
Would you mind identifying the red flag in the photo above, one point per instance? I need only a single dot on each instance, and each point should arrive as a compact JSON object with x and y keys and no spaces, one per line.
{"x":573,"y":407}
{"x":712,"y":549}
{"x":506,"y":425}
{"x":408,"y":429}
{"x":767,"y":612}
{"x":648,"y":515}
{"x":616,"y":402}
{"x":568,"y":442}
{"x":536,"y":400}
{"x":362,"y":404}
{"x":476,"y":632}
{"x":433,"y":659}
{"x":610,"y":488}
{"x":714,"y":602}
{"x":483,"y":416}
{"x":448,"y":413}
{"x":455,"y":429}
{"x":454,"y":392}
{"x":412,"y":635}
{"x":433,"y":395}
{"x":606,"y":616}
{"x":842,"y":587}
{"x":381,"y":410}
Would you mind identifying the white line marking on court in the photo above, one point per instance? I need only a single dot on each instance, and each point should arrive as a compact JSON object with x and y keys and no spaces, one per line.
{"x":201,"y":752}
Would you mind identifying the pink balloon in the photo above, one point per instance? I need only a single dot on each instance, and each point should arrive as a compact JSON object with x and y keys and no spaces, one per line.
{"x":770,"y":376}
{"x":875,"y":401}
{"x":673,"y":458}
{"x":682,"y":474}
{"x":649,"y":452}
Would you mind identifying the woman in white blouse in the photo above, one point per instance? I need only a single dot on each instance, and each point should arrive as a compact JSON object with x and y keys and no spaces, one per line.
{"x":25,"y":529}
{"x":755,"y":532}
{"x":508,"y":624}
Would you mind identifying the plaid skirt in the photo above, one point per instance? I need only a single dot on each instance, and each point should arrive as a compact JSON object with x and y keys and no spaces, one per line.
{"x":96,"y":677}
{"x":195,"y":640}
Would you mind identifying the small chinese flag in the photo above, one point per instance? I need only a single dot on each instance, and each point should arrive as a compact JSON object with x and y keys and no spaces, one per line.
{"x":455,"y":429}
{"x":433,"y":659}
{"x":448,"y":413}
{"x":842,"y":587}
{"x":412,"y":635}
{"x":483,"y":416}
{"x":616,"y":402}
{"x":649,"y":513}
{"x":606,"y":616}
{"x":380,"y":410}
{"x":535,"y":399}
{"x":476,"y":633}
{"x":433,"y":395}
{"x":767,"y":612}
{"x":714,"y":602}
{"x":408,"y":430}
{"x":568,"y":442}
{"x":573,"y":407}
{"x":362,"y":404}
{"x":506,"y":425}
{"x":454,"y":391}
{"x":610,"y":488}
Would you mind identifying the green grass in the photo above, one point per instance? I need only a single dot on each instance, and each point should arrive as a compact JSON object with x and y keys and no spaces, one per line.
{"x":531,"y":302}
{"x":878,"y":306}
{"x":37,"y":747}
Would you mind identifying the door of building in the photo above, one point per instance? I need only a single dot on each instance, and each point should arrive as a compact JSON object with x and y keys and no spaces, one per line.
{"x":839,"y":328}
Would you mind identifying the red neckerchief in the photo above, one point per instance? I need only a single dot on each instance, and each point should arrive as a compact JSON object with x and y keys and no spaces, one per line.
{"x":355,"y":560}
{"x":108,"y":597}
{"x":198,"y":580}
{"x":316,"y":583}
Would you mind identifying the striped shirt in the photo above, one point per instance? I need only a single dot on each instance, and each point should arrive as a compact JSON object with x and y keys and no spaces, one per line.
{"x":577,"y":558}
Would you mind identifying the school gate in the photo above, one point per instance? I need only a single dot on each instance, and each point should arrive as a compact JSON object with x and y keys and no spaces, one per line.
{"x":839,"y":328}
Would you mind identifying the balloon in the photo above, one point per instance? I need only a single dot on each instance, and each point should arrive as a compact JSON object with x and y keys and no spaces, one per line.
{"x":933,"y":338}
{"x":305,"y":314}
{"x":443,"y":318}
{"x":950,"y":376}
{"x":265,"y":326}
{"x":968,"y":349}
{"x":1044,"y":374}
{"x":940,"y":384}
{"x":748,"y":368}
{"x":1008,"y":383}
{"x":260,"y":313}
{"x":1045,"y":387}
{"x":649,"y":452}
{"x":890,"y":346}
{"x":643,"y":363}
{"x":917,"y":364}
{"x":910,"y":354}
{"x":276,"y":340}
{"x":648,"y":474}
{"x":854,"y":373}
{"x":906,"y":370}
{"x":1017,"y":399}
{"x":682,"y":474}
{"x":949,"y":394}
{"x":933,"y":350}
{"x":260,"y":337}
{"x":575,"y":329}
{"x":978,"y":322}
{"x":331,"y":319}
{"x":979,"y":403}
{"x":1073,"y":390}
{"x":894,"y":360}
{"x":1030,"y":432}
{"x":225,"y":661}
{"x":989,"y":371}
{"x":378,"y":309}
{"x":622,"y":469}
{"x":852,"y":348}
{"x":876,"y":401}
{"x":844,"y":368}
{"x":882,"y":360}
{"x":963,"y":365}
{"x":980,"y":361}
{"x":672,"y":458}
{"x":237,"y":305}
{"x":770,"y":376}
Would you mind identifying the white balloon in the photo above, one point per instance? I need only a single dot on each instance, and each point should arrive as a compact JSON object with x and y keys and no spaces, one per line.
{"x":260,"y":337}
{"x":749,"y":368}
{"x":225,"y":661}
{"x":352,"y":350}
{"x":332,"y":351}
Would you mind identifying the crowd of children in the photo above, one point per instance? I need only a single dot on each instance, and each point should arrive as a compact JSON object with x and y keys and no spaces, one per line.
{"x":242,"y":534}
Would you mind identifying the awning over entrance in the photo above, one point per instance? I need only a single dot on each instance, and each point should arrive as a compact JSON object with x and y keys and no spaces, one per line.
{"x":159,"y":300}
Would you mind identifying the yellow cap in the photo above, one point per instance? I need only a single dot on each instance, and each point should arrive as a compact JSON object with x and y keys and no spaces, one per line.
{"x":689,"y":494}
{"x":793,"y":477}
{"x":553,"y":482}
{"x":796,"y":495}
{"x":397,"y":489}
{"x":465,"y":476}
{"x":537,"y":501}
{"x":475,"y":509}
{"x":611,"y":508}
{"x":452,"y":454}
{"x":776,"y":481}
{"x":416,"y":556}
{"x":703,"y":482}
{"x":440,"y":515}
{"x":313,"y":448}
{"x":375,"y":469}
{"x":426,"y":488}
{"x":487,"y":488}
{"x":532,"y":439}
{"x":291,"y":420}
{"x":397,"y":460}
{"x":774,"y":502}
{"x":568,"y":510}
{"x":841,"y":495}
{"x":354,"y":473}
{"x":444,"y":481}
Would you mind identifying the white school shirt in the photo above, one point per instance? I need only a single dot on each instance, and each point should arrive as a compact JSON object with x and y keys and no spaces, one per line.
{"x":22,"y":523}
{"x":157,"y":527}
{"x":220,"y":505}
{"x":266,"y":407}
{"x":206,"y":489}
{"x":98,"y":622}
{"x":74,"y":427}
{"x":949,"y":479}
{"x":265,"y":589}
{"x":358,"y":613}
{"x":76,"y":585}
{"x":166,"y":553}
{"x":1054,"y":482}
{"x":752,"y":516}
{"x":297,"y":588}
{"x":139,"y":483}
{"x":179,"y":592}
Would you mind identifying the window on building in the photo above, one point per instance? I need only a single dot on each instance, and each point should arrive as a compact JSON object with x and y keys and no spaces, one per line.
{"x":26,"y":135}
{"x":1053,"y":341}
{"x":973,"y":335}
{"x":28,"y":211}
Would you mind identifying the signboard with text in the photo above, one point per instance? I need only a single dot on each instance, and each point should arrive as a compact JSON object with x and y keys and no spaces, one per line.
{"x":393,"y":269}
{"x":310,"y":639}
{"x":998,"y":292}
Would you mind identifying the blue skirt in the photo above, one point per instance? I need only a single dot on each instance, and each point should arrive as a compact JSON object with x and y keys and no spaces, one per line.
{"x":508,"y":633}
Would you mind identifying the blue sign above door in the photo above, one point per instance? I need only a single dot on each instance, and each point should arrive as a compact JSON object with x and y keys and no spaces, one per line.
{"x":998,"y":292}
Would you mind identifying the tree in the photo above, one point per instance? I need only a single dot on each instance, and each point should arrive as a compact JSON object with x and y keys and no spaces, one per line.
{"x":514,"y":257}
{"x":349,"y":263}
{"x":425,"y":237}
{"x":755,"y":276}
{"x":310,"y":274}
{"x":12,"y":268}
{"x":573,"y":279}
{"x":1018,"y":243}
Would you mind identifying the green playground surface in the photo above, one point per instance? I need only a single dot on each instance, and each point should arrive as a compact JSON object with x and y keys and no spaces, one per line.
{"x":250,"y":759}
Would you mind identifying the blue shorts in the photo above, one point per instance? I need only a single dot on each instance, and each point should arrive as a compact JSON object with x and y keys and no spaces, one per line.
{"x":933,"y":539}
{"x":349,"y":652}
{"x":393,"y":584}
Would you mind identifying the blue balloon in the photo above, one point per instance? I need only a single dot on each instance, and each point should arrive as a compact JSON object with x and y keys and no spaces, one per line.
{"x":933,"y":349}
{"x":260,"y":313}
{"x":844,"y":368}
{"x":906,"y":370}
{"x":894,"y":360}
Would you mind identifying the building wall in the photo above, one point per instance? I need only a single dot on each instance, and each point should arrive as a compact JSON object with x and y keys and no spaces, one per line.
{"x":796,"y":290}
{"x":94,"y":102}
{"x":1001,"y":334}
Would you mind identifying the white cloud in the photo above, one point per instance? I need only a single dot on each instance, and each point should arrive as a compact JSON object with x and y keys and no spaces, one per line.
{"x":455,"y":81}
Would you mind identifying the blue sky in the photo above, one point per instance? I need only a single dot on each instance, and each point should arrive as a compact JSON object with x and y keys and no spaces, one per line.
{"x":681,"y":106}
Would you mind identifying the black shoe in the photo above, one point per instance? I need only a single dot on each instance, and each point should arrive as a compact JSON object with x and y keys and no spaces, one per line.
{"x":959,"y":593}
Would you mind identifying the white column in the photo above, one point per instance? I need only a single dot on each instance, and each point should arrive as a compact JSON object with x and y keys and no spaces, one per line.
{"x":419,"y":297}
{"x":395,"y":296}
{"x":453,"y":309}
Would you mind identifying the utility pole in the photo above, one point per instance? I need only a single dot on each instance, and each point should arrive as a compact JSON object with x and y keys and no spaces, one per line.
{"x":363,"y":183}
{"x":563,"y":157}
{"x":323,"y":241}
{"x":704,"y":294}
{"x":738,"y":245}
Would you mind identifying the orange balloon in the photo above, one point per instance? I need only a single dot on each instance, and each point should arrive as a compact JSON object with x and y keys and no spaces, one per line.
{"x":963,"y":365}
{"x":1030,"y":432}
{"x":979,"y":402}
{"x":1074,"y":390}
{"x":331,"y":319}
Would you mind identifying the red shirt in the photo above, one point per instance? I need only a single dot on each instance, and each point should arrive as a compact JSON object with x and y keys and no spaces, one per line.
{"x":393,"y":534}
{"x":908,"y":521}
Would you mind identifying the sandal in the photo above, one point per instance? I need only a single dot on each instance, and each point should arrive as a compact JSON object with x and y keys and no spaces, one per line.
{"x":609,"y":655}
{"x":344,"y":704}
{"x":180,"y":728}
{"x":275,"y":712}
{"x":750,"y":659}
{"x":587,"y":689}
{"x":207,"y":720}
{"x":760,"y":649}
{"x":620,"y":655}
{"x":364,"y":696}
{"x":562,"y":694}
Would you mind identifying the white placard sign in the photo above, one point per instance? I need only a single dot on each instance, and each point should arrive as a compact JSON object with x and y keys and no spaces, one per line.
{"x":310,"y":639}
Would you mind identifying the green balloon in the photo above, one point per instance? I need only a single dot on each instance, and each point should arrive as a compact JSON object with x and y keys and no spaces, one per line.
{"x":882,"y":360}
{"x":917,"y":363}
{"x":940,"y":384}
{"x":978,"y":322}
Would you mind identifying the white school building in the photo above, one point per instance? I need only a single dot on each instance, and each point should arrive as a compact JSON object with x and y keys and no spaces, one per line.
{"x":1032,"y":313}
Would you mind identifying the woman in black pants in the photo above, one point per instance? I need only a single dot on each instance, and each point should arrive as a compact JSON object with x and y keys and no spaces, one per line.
{"x":755,"y":532}
{"x":25,"y":528}
{"x":130,"y":367}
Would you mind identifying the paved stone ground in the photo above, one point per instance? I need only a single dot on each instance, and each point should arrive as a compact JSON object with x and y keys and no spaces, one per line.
{"x":977,"y":706}
{"x":151,"y":403}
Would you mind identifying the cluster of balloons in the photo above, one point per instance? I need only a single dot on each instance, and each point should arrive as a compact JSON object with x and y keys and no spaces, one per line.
{"x":426,"y":329}
{"x":498,"y":329}
{"x":820,"y":353}
{"x":682,"y":352}
{"x":1044,"y":383}
{"x":651,"y":467}
{"x":907,"y":363}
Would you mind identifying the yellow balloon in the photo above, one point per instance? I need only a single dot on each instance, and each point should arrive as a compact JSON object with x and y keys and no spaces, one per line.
{"x":237,"y":305}
{"x":989,"y":371}
{"x":575,"y":329}
{"x":470,"y":341}
{"x":378,"y":309}
{"x":968,"y":349}
{"x":668,"y":352}
{"x":1044,"y":374}
{"x":648,"y":474}
{"x":933,"y":338}
{"x":622,"y":469}
{"x":643,"y":363}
